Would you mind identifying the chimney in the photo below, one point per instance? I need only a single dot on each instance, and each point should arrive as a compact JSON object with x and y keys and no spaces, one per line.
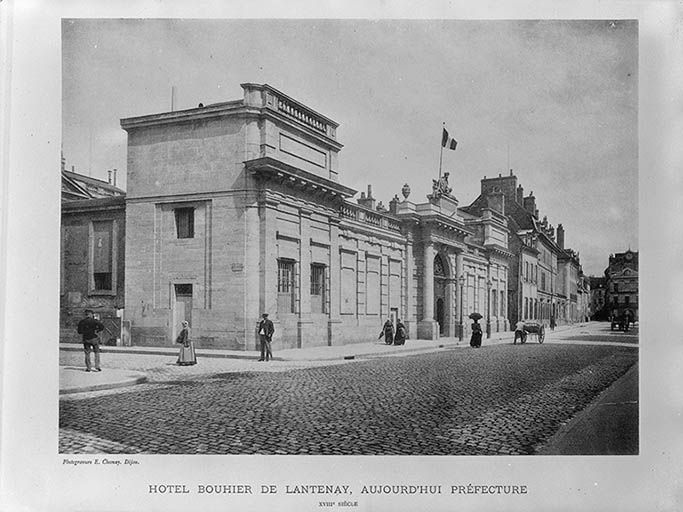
{"x":114,"y":177}
{"x":520,"y":194}
{"x":560,"y":236}
{"x":73,"y":168}
{"x":530,"y":203}
{"x":367,"y":201}
{"x":109,"y":178}
{"x":393,"y":204}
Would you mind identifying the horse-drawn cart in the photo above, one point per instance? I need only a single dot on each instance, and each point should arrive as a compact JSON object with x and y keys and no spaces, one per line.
{"x":535,"y":328}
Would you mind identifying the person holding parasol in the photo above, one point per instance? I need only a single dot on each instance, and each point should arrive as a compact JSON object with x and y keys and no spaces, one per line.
{"x":475,"y":340}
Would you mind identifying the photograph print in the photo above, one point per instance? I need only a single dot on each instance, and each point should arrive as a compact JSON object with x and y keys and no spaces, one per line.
{"x":349,"y":237}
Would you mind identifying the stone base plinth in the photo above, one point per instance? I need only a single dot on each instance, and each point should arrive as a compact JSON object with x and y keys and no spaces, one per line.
{"x":428,"y":330}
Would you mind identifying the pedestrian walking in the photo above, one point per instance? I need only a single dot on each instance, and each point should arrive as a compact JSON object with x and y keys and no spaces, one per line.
{"x":387,"y":332}
{"x":520,"y":332}
{"x":187,"y":355}
{"x":90,"y":328}
{"x":552,"y":322}
{"x":475,"y":339}
{"x":401,"y":333}
{"x":265,"y":331}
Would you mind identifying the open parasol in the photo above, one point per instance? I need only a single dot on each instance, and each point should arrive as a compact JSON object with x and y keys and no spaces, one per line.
{"x":476,"y":316}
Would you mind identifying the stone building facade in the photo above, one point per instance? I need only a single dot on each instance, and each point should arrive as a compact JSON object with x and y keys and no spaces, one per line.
{"x":92,"y":264}
{"x":544,"y":277}
{"x":91,"y":253}
{"x":236,"y":208}
{"x":622,"y":284}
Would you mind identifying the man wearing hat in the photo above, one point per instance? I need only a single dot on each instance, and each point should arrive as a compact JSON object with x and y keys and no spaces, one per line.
{"x":265,"y":331}
{"x":90,"y":328}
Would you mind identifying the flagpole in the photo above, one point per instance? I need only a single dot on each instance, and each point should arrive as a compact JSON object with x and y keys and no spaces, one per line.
{"x":441,"y":153}
{"x":508,"y":155}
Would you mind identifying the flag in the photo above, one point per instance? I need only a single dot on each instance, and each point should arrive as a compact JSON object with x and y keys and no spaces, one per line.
{"x":446,"y":140}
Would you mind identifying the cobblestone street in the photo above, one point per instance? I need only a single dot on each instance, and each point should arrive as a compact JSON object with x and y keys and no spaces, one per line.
{"x":500,"y":399}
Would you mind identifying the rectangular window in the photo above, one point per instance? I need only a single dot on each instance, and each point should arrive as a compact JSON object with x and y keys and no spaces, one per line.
{"x":102,"y":267}
{"x":102,"y":281}
{"x":184,"y":222}
{"x":285,"y":286}
{"x":318,"y":295}
{"x":628,"y":300}
{"x":502,"y":303}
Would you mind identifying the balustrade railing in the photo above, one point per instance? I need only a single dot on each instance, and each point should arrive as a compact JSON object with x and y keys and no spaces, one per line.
{"x":349,"y":211}
{"x":292,"y":110}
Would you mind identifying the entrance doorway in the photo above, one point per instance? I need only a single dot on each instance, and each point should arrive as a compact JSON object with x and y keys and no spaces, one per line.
{"x":393,"y":314}
{"x":441,"y":304}
{"x":182,"y":307}
{"x":440,"y":315}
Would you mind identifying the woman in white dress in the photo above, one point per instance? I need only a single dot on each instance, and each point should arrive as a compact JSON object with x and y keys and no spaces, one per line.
{"x":187,"y":355}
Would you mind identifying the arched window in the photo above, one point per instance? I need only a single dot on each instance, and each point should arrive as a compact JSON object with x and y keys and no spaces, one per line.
{"x":439,"y":269}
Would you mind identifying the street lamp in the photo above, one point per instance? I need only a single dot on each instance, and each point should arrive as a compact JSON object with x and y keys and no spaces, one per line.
{"x":461,"y":280}
{"x":489,"y":283}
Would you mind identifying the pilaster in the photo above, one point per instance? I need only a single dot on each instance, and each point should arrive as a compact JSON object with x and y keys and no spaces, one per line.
{"x":460,"y":276}
{"x":334,"y":330}
{"x":267,"y":263}
{"x":304,"y":323}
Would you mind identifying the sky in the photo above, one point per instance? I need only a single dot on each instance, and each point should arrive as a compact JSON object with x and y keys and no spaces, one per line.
{"x":556,"y":101}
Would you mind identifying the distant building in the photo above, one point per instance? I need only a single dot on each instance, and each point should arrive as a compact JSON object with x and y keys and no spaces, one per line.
{"x":598,"y":287}
{"x":584,"y":306}
{"x":622,"y":284}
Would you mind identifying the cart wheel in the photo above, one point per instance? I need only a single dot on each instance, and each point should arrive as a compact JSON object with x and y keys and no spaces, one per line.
{"x":541,"y":335}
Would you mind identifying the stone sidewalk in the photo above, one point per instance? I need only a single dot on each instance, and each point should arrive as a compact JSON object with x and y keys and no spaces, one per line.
{"x":155,"y":360}
{"x":608,"y":426}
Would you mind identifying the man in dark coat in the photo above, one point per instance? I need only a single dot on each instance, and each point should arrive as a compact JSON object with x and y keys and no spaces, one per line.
{"x":266,"y":330}
{"x":90,"y":328}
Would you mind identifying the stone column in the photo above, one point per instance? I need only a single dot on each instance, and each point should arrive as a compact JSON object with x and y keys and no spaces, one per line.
{"x":427,"y":327}
{"x":428,"y":282}
{"x":451,"y":297}
{"x":410,"y":320}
